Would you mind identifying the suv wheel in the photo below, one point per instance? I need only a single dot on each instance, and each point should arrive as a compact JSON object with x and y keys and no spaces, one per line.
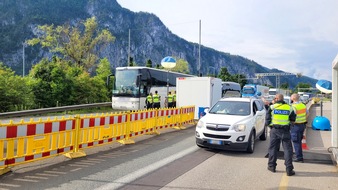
{"x":264,"y":134}
{"x":251,"y":143}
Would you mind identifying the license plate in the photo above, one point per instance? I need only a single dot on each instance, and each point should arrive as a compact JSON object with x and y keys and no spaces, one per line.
{"x":215,"y":142}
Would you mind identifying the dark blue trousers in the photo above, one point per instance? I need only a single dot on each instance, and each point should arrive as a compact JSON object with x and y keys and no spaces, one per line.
{"x":278,"y":136}
{"x":297,"y":132}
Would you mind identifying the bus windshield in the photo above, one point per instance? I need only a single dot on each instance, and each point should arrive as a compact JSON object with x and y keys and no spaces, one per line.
{"x":126,"y":83}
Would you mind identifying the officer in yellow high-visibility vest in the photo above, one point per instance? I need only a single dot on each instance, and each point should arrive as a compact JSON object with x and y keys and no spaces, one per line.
{"x":149,"y":101}
{"x":298,"y":127}
{"x":279,"y":116}
{"x":170,"y":100}
{"x":157,"y":100}
{"x":174,"y":99}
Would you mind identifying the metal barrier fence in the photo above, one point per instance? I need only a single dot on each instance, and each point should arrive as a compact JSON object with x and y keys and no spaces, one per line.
{"x":24,"y":142}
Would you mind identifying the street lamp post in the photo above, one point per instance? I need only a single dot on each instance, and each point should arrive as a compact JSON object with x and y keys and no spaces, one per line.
{"x":168,"y":63}
{"x":24,"y":45}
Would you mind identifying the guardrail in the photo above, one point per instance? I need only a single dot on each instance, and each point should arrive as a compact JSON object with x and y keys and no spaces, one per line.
{"x":54,"y":109}
{"x":23,"y":142}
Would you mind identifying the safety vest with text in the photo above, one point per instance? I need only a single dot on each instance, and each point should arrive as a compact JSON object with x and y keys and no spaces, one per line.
{"x":280,"y":114}
{"x":300,"y":110}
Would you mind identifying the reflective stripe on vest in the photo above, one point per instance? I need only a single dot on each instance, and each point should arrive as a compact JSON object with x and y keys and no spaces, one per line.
{"x":156,"y":98}
{"x":300,"y":110}
{"x":280,"y":114}
{"x":150,"y":99}
{"x":170,"y":98}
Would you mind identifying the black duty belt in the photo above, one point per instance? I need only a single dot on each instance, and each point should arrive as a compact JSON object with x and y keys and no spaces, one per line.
{"x":280,"y":126}
{"x":300,"y":123}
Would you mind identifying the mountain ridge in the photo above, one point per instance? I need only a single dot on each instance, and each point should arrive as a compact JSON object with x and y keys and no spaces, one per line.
{"x":150,"y":38}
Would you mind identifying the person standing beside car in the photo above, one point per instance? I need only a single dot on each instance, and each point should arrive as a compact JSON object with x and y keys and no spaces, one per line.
{"x":279,"y":117}
{"x":298,"y":127}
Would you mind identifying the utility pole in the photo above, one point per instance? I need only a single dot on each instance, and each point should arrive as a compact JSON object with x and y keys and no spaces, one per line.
{"x":199,"y":51}
{"x":128,"y":49}
{"x":24,"y":45}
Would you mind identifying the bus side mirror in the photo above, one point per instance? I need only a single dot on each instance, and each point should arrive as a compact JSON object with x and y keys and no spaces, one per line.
{"x":138,"y":80}
{"x":259,"y":93}
{"x":108,"y":79}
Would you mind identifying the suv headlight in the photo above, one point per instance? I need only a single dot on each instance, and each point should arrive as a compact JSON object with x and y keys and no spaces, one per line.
{"x":200,"y":124}
{"x":239,"y":127}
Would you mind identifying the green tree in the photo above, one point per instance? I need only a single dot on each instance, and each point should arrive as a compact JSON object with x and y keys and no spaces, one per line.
{"x":103,"y":69}
{"x":52,"y":86}
{"x":182,"y":66}
{"x":225,"y":75}
{"x":81,"y":46}
{"x":102,"y":72}
{"x":240,"y":78}
{"x":131,"y":62}
{"x":149,"y":63}
{"x":284,"y":86}
{"x":303,"y":87}
{"x":14,"y":90}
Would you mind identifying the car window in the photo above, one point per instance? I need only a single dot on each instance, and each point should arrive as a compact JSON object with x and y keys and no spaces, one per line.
{"x":231,"y":108}
{"x":254,"y":108}
{"x":259,"y":105}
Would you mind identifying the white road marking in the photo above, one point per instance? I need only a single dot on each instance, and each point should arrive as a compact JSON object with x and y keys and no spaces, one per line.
{"x":133,"y":176}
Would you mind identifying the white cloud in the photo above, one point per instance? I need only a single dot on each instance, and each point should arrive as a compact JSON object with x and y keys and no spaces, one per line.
{"x":294,"y":36}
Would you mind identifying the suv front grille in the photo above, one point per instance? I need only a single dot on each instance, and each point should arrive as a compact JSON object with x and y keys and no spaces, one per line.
{"x":217,"y":127}
{"x":217,"y":136}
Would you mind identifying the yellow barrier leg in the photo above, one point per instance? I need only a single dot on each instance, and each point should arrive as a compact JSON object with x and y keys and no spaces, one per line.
{"x":4,"y":170}
{"x":76,"y":152}
{"x":127,"y":140}
{"x":154,"y":131}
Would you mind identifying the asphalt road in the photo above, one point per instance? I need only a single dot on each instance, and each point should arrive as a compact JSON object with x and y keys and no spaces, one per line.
{"x":168,"y":161}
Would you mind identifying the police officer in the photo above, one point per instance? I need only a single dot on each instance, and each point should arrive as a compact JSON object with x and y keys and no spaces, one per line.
{"x":279,"y":116}
{"x":298,"y":127}
{"x":157,"y":100}
{"x":170,"y":100}
{"x":174,"y":99}
{"x":149,"y":101}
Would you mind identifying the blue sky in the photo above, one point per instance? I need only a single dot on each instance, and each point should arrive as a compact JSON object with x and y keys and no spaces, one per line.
{"x":290,"y":35}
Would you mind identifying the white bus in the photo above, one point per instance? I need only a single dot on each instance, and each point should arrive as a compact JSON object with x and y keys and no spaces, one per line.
{"x":133,"y":84}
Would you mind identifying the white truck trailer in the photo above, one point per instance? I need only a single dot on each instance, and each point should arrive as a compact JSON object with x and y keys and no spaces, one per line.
{"x":203,"y":92}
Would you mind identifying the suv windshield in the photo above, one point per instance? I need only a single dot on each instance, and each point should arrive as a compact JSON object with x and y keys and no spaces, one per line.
{"x":231,"y":108}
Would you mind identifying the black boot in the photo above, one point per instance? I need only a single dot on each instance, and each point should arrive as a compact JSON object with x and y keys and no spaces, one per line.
{"x":290,"y":172}
{"x":272,"y":169}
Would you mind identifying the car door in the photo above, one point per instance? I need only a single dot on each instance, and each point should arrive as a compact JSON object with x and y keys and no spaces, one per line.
{"x":260,"y":115}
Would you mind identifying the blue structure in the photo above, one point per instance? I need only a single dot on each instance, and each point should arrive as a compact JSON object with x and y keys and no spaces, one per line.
{"x":201,"y":112}
{"x":321,"y":123}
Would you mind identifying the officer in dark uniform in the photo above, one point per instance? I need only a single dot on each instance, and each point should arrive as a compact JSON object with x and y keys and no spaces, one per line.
{"x":297,"y":130}
{"x":174,"y":99}
{"x":149,"y":101}
{"x":157,"y":100}
{"x":170,"y":100}
{"x":280,"y":114}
